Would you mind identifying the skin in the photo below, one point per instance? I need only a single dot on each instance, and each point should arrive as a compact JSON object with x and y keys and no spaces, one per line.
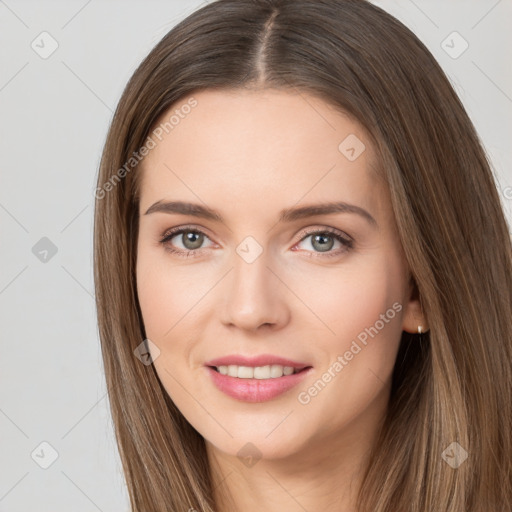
{"x":247,"y":155}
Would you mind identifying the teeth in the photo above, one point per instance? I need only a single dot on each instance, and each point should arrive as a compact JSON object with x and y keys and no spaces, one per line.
{"x":258,"y":372}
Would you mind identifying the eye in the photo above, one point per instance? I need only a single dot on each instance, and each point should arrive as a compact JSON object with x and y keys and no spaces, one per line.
{"x":191,"y":239}
{"x":322,"y":242}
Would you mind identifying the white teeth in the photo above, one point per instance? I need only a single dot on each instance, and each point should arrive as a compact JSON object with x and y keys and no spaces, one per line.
{"x":258,"y":372}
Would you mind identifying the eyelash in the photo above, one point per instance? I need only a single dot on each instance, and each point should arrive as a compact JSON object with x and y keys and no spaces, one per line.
{"x":343,"y":239}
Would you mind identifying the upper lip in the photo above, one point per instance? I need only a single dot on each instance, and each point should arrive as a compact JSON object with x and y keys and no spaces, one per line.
{"x":261,"y":360}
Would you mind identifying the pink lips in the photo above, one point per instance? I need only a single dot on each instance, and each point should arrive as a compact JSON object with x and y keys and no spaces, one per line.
{"x":256,"y":390}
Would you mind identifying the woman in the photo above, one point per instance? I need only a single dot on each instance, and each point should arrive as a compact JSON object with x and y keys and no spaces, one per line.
{"x":303,"y":271}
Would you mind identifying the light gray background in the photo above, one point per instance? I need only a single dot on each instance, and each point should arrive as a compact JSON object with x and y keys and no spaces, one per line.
{"x":54,"y":115}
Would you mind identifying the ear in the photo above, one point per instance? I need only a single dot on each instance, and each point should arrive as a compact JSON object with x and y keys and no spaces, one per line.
{"x":413,"y":316}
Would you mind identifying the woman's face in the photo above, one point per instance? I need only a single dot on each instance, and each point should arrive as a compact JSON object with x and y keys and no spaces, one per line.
{"x":328,"y":290}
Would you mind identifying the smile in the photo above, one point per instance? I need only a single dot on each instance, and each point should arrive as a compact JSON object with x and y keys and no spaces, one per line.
{"x":257,"y":372}
{"x":256,"y":384}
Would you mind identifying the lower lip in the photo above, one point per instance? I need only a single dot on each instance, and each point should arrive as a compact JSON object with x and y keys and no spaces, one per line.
{"x":256,"y":390}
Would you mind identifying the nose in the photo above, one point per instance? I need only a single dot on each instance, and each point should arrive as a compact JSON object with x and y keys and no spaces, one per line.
{"x":254,"y":296}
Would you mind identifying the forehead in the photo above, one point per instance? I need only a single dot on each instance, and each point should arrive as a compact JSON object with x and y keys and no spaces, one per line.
{"x":247,"y":146}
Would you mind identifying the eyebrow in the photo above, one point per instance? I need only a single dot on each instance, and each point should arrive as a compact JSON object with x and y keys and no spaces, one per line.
{"x":286,"y":215}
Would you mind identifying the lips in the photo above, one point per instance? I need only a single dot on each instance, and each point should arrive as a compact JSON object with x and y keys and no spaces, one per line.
{"x":254,"y":390}
{"x":260,"y":360}
{"x":266,"y":386}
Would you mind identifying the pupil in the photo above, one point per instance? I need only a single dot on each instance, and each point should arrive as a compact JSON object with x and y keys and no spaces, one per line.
{"x":323,"y":245}
{"x":190,"y":242}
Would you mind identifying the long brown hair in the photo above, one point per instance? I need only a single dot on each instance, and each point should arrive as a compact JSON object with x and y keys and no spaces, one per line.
{"x":452,"y":386}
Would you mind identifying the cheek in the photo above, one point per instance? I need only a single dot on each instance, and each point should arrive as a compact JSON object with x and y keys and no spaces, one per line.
{"x":167,"y":293}
{"x":347,"y":299}
{"x":359,"y":310}
{"x":362,"y":308}
{"x":153,"y":294}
